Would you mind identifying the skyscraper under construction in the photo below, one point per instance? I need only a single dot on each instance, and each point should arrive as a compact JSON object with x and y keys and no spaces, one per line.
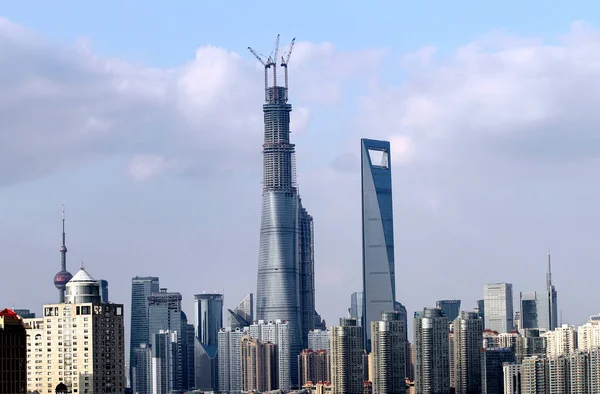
{"x":285,"y":288}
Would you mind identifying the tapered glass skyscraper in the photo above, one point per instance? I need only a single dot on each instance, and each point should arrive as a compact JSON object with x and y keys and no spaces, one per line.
{"x":285,"y":288}
{"x":379,"y":290}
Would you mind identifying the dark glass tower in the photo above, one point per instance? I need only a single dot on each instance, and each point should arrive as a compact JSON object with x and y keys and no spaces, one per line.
{"x":552,"y":298}
{"x":450,"y":308}
{"x":285,"y":285}
{"x":379,"y":288}
{"x":141,"y":288}
{"x":208,"y":320}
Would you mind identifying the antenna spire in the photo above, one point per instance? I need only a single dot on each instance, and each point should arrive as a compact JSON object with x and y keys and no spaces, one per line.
{"x":549,"y":273}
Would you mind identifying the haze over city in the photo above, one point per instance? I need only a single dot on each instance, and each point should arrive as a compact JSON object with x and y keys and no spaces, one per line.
{"x":146,"y":121}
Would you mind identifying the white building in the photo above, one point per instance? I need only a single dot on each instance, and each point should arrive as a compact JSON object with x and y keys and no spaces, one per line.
{"x":277,"y":332}
{"x":230,"y":373}
{"x":561,"y":342}
{"x":579,"y":372}
{"x":534,"y":375}
{"x":558,"y":375}
{"x":388,"y":350}
{"x":79,"y":344}
{"x":588,"y":335}
{"x":512,"y":378}
{"x":498,"y":305}
{"x":318,"y":340}
{"x":595,"y":370}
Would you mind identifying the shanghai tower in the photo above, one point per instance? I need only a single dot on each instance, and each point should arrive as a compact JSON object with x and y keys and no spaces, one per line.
{"x":285,"y":285}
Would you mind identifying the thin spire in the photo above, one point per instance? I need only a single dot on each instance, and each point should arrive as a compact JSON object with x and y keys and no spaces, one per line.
{"x":63,"y":225}
{"x":549,"y":273}
{"x":63,"y":248}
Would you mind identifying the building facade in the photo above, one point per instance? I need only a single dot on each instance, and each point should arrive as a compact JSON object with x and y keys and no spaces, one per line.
{"x":512,"y":378}
{"x":13,"y":353}
{"x":492,"y":374}
{"x":468,"y":342}
{"x":498,"y":305}
{"x":141,"y":376}
{"x":278,"y":333}
{"x":561,"y":341}
{"x":258,"y":365}
{"x":313,"y":367}
{"x":318,"y":340}
{"x":450,"y":308}
{"x":86,"y":352}
{"x":432,"y":366}
{"x":208,"y":320}
{"x":230,"y":378}
{"x":356,"y":307}
{"x":243,"y":314}
{"x":165,"y":361}
{"x":285,"y":282}
{"x":347,"y":357}
{"x":388,"y":350}
{"x":379,"y":283}
{"x":534,"y":311}
{"x":534,"y":375}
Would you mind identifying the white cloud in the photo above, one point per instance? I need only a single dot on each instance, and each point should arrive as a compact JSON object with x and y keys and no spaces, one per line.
{"x":145,"y":167}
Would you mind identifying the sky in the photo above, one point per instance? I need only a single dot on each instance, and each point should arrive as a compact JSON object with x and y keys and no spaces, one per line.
{"x":145,"y":119}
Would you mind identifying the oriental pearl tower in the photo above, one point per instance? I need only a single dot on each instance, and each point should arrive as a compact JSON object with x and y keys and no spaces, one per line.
{"x":63,"y":276}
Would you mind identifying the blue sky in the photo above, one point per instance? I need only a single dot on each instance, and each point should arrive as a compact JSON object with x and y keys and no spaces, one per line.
{"x":145,"y":119}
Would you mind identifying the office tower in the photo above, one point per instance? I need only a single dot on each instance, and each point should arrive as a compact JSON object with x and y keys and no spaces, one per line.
{"x":165,"y":354}
{"x":164,"y":314}
{"x":24,"y":313}
{"x":141,"y":376}
{"x":552,"y":298}
{"x":481,"y":311}
{"x":230,"y":378}
{"x":278,"y":333}
{"x":190,"y":334}
{"x":141,"y":289}
{"x":388,"y":349}
{"x":410,"y":362}
{"x":63,"y":276}
{"x":356,"y":306}
{"x":561,"y":342}
{"x":258,"y":365}
{"x":534,"y":310}
{"x":187,"y":334}
{"x":208,"y":321}
{"x":432,"y":367}
{"x":588,"y":335}
{"x":534,"y":375}
{"x":512,"y":378}
{"x":346,"y":357}
{"x":558,"y":375}
{"x":313,"y":366}
{"x":86,"y":351}
{"x":594,"y":370}
{"x":492,"y":376}
{"x":103,"y":290}
{"x":530,"y":344}
{"x":579,"y":372}
{"x":13,"y":353}
{"x":318,"y":340}
{"x":450,"y":308}
{"x":243,"y":314}
{"x":451,"y":361}
{"x":285,"y":281}
{"x":379,"y":288}
{"x":468,"y":341}
{"x":498,"y":305}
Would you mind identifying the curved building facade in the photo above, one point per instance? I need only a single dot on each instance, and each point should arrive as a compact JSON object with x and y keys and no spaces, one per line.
{"x":285,"y":283}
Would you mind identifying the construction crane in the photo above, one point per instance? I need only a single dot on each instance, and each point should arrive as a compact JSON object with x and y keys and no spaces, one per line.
{"x":285,"y":59}
{"x":266,"y":63}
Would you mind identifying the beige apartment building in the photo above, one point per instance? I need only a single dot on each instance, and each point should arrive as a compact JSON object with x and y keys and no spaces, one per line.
{"x":79,"y":343}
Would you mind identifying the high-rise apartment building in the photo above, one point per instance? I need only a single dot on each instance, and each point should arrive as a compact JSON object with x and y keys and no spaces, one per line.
{"x":558,"y":375}
{"x":356,"y":306}
{"x":230,"y":375}
{"x":512,"y":378}
{"x":13,"y":353}
{"x":450,"y":308}
{"x":588,"y":335}
{"x":388,"y":349}
{"x":285,"y":283}
{"x":534,"y":310}
{"x":530,"y":344}
{"x":432,"y":367}
{"x":87,"y":349}
{"x":318,"y":340}
{"x":208,"y":321}
{"x":561,"y":341}
{"x":258,"y":365}
{"x":498,"y":305}
{"x":492,"y":375}
{"x":595,"y":370}
{"x":313,"y":366}
{"x":347,"y":357}
{"x":451,"y":360}
{"x":164,"y":314}
{"x":278,"y":333}
{"x":243,"y":314}
{"x":141,"y":289}
{"x":534,"y":375}
{"x":468,"y":342}
{"x":379,"y":283}
{"x":579,"y":372}
{"x":166,"y":353}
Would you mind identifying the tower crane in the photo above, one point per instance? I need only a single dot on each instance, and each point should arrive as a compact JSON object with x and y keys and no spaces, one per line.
{"x":285,"y":59}
{"x":266,"y":63}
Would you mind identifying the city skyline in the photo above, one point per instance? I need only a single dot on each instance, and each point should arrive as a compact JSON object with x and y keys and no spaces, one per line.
{"x":111,"y":232}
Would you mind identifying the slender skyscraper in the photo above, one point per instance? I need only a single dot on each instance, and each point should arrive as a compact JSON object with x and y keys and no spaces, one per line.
{"x":379,"y":289}
{"x":285,"y":288}
{"x":552,"y":298}
{"x":63,"y":276}
{"x":208,"y":322}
